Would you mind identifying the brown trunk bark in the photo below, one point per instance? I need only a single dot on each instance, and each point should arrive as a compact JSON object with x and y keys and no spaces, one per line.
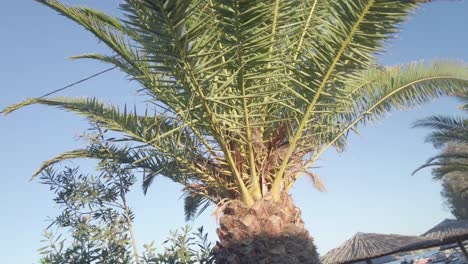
{"x":268,"y":232}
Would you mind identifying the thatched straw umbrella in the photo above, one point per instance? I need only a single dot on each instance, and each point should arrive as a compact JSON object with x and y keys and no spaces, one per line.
{"x":366,"y":246}
{"x":450,"y":231}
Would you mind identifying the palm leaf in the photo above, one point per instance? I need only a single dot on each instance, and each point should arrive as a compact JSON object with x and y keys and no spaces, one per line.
{"x":194,"y":205}
{"x":386,"y":89}
{"x":447,"y":130}
{"x":455,"y":161}
{"x":74,"y":154}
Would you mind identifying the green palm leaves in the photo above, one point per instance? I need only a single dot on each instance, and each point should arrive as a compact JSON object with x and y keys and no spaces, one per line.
{"x":450,"y":133}
{"x":250,"y":93}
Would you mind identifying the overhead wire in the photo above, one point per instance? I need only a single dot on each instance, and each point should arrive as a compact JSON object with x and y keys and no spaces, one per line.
{"x":78,"y":82}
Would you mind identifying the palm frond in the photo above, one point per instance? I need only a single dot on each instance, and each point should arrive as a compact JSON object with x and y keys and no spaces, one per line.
{"x":73,"y":154}
{"x":448,"y":159}
{"x":449,"y":155}
{"x":404,"y":87}
{"x":440,"y":122}
{"x":194,"y":205}
{"x":138,"y":128}
{"x":169,"y":137}
{"x":442,"y":138}
{"x":116,"y":35}
{"x":446,"y":168}
{"x":447,"y":130}
{"x":387,"y":89}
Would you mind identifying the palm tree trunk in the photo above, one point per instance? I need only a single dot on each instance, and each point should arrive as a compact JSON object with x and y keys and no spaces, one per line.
{"x":267,"y":232}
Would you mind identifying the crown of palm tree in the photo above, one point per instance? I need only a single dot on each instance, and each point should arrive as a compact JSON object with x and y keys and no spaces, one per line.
{"x":248,"y":93}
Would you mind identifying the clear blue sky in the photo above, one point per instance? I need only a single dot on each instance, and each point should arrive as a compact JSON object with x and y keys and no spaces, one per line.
{"x":369,"y":186}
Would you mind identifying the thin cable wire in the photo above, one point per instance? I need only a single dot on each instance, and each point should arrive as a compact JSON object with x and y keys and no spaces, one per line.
{"x":80,"y":81}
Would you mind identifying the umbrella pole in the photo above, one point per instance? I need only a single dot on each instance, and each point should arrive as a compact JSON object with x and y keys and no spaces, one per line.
{"x":369,"y":261}
{"x":463,"y":249}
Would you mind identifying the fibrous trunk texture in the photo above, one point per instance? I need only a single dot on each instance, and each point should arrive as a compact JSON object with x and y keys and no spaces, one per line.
{"x":268,"y":232}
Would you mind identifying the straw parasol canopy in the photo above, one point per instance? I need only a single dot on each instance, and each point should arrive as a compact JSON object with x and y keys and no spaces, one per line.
{"x":450,"y":231}
{"x":366,"y":246}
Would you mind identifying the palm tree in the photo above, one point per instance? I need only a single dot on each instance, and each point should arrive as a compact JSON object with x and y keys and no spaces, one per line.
{"x":451,"y":134}
{"x":247,"y":95}
{"x":455,"y":199}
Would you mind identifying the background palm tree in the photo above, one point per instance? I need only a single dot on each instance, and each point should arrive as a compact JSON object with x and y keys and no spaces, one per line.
{"x":246,"y":96}
{"x":451,"y":166}
{"x":454,"y":186}
{"x":450,"y":134}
